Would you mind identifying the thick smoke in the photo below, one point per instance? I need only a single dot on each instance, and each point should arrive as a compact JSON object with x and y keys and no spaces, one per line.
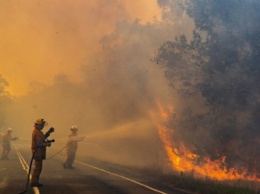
{"x":120,"y":83}
{"x":219,"y":68}
{"x":111,"y":105}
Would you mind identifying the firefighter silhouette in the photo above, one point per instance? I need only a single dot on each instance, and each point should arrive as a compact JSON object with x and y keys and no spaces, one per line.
{"x":39,"y":144}
{"x":71,"y":147}
{"x":6,"y":143}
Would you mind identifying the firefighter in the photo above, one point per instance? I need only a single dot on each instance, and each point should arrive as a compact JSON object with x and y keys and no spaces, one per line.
{"x":6,"y":143}
{"x":39,"y":144}
{"x":71,"y":147}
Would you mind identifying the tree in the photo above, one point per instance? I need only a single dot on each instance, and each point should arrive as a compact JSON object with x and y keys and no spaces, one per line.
{"x":221,"y":63}
{"x":4,"y":99}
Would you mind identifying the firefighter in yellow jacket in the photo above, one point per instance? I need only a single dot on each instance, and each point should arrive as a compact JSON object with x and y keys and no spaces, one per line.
{"x":6,"y":143}
{"x":39,"y":144}
{"x":71,"y":147}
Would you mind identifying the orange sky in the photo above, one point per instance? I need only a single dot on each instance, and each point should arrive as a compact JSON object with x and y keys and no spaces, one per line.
{"x":40,"y":39}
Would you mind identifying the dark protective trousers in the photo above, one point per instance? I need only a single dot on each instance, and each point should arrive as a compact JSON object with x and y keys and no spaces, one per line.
{"x":36,"y":171}
{"x":70,"y":159}
{"x":6,"y":150}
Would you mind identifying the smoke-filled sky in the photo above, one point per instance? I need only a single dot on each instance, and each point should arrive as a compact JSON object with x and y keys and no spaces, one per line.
{"x":91,"y":64}
{"x":87,"y":63}
{"x":40,"y":39}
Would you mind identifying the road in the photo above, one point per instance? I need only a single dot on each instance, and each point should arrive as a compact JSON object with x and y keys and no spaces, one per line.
{"x":92,"y":177}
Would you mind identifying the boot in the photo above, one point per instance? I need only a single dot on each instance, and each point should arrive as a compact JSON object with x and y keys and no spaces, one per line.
{"x":64,"y":165}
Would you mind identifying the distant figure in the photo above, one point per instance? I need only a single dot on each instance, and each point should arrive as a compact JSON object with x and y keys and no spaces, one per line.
{"x":71,"y":147}
{"x":39,"y":144}
{"x":6,"y":143}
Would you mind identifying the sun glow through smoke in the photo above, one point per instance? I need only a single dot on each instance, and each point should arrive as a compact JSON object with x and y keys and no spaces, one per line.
{"x":53,"y":37}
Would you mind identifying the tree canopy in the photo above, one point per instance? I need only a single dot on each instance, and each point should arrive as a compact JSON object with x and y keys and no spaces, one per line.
{"x":220,"y":63}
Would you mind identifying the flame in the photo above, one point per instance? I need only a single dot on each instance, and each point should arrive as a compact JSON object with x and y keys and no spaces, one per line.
{"x":183,"y":160}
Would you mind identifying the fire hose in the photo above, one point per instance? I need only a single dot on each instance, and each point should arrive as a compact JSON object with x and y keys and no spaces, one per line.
{"x":61,"y":150}
{"x":57,"y":152}
{"x":47,"y":134}
{"x":48,"y":141}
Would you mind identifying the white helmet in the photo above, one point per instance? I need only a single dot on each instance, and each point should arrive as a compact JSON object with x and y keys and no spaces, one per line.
{"x":74,"y":128}
{"x":9,"y":130}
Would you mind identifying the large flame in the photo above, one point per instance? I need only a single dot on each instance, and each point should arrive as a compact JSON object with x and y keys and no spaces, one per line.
{"x":184,"y":161}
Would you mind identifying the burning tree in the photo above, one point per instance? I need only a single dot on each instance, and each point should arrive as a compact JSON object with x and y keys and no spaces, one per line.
{"x":219,"y":65}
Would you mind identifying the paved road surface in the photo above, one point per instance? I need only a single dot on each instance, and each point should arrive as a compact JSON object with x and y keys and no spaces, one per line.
{"x":90,"y":176}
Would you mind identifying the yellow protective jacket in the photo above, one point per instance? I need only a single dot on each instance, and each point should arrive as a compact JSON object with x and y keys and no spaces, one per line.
{"x":39,"y":145}
{"x":6,"y":138}
{"x":72,"y":143}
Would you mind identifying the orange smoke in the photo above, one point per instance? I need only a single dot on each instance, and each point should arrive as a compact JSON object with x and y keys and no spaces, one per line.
{"x":183,"y":160}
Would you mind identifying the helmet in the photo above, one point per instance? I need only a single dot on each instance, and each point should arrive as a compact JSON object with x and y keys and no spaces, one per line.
{"x":40,"y":121}
{"x":9,"y":130}
{"x":74,"y":128}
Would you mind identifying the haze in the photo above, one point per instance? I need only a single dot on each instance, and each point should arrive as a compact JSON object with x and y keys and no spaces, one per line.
{"x":95,"y":64}
{"x":42,"y":39}
{"x":87,"y":63}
